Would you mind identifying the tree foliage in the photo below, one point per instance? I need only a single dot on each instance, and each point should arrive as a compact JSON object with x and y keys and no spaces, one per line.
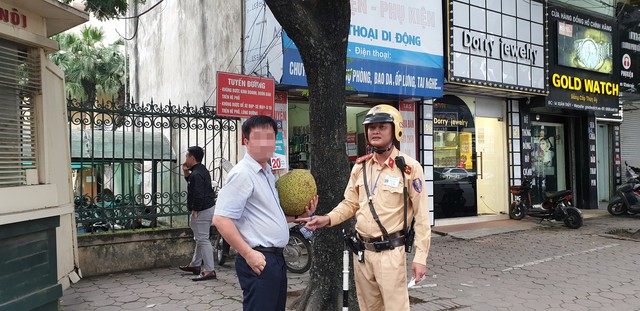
{"x":91,"y":68}
{"x":106,"y":9}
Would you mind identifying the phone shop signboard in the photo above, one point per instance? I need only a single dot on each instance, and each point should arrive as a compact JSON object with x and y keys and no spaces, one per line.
{"x":244,"y":96}
{"x":395,"y":47}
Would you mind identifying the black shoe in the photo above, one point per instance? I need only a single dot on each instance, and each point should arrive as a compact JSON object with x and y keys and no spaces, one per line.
{"x":194,"y":270}
{"x":203,"y":277}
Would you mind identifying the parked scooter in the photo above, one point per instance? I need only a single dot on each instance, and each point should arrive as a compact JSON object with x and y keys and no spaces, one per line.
{"x":556,"y":205}
{"x":627,"y":197}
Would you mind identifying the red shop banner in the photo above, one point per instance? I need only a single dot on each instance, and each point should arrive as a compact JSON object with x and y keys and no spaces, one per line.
{"x":244,"y":96}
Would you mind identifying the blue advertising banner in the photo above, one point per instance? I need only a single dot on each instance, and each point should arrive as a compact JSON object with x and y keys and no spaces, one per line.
{"x":374,"y":76}
{"x":394,"y":47}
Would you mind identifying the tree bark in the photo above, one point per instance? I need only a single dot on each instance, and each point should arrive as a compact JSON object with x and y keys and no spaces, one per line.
{"x":320,"y":30}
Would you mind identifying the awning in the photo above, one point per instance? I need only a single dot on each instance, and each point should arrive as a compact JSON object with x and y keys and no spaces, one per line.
{"x":119,"y":145}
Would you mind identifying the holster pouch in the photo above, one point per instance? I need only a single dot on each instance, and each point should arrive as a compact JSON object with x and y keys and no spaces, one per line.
{"x":354,"y":245}
{"x":408,"y":241}
{"x":382,"y":245}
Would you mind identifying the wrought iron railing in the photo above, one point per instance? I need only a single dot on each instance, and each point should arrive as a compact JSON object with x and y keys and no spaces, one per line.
{"x":127,"y":157}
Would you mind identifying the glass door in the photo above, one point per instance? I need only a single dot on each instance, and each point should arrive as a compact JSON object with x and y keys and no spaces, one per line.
{"x":547,"y":159}
{"x":454,"y":163}
{"x":492,"y":168}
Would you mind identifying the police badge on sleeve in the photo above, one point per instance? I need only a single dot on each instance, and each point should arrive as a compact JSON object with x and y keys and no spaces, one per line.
{"x":417,"y":185}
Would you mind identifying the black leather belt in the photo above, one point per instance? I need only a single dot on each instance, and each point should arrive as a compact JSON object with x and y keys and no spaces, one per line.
{"x":392,"y":236}
{"x":274,"y":250}
{"x":377,"y":244}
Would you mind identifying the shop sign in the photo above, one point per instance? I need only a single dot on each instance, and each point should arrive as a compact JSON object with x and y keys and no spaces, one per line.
{"x":244,"y":96}
{"x":587,"y":85}
{"x":629,"y":51}
{"x":391,"y":49}
{"x":352,"y":147}
{"x":13,"y":17}
{"x":498,"y":45}
{"x":408,"y":113}
{"x":281,"y":115}
{"x":581,"y":77}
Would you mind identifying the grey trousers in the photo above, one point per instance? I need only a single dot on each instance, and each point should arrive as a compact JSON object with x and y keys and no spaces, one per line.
{"x":204,"y":250}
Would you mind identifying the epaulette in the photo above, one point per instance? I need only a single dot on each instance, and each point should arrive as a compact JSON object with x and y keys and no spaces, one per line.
{"x":364,"y":158}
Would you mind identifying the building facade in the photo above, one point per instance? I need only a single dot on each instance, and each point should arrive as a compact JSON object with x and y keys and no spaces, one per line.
{"x":628,"y":143}
{"x":583,"y":85}
{"x":494,"y":98}
{"x":37,"y":227}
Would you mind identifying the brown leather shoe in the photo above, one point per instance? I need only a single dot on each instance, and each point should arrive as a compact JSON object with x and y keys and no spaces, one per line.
{"x":208,"y":276}
{"x":194,"y":270}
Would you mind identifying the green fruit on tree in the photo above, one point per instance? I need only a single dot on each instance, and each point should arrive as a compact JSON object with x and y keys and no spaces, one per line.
{"x":296,"y":189}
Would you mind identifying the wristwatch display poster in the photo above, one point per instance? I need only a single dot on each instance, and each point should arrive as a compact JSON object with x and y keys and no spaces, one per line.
{"x":584,"y":48}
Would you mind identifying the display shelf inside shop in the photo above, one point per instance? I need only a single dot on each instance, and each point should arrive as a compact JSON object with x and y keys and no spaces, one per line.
{"x":299,"y":150}
{"x":445,"y":157}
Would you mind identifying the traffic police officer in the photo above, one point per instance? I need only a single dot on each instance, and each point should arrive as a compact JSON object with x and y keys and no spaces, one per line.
{"x":380,"y":269}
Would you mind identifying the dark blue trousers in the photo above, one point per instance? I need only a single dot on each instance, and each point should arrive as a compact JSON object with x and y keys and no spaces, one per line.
{"x":268,"y":291}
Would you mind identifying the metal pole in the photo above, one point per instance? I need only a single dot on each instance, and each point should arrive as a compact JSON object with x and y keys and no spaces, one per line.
{"x":345,"y":280}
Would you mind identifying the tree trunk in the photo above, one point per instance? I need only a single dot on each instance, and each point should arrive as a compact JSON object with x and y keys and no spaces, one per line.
{"x":320,"y":30}
{"x":90,"y":90}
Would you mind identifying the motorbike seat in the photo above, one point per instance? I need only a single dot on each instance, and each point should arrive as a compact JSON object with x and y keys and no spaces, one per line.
{"x":556,"y":194}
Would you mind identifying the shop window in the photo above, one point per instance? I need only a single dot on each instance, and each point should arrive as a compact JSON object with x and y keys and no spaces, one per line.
{"x":19,"y":83}
{"x":454,"y":166}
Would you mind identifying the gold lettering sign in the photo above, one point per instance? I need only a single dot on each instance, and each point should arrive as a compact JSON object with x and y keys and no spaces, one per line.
{"x":587,"y":85}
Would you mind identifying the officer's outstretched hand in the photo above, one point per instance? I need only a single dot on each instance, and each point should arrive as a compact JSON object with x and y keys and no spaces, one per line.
{"x":316,"y":222}
{"x":419,"y":270}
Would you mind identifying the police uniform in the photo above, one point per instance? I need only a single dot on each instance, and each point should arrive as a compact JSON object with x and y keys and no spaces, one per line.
{"x":381,"y":280}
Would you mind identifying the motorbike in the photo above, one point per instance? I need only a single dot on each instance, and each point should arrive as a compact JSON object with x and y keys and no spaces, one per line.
{"x":297,"y":253}
{"x":556,"y":205}
{"x":627,"y":197}
{"x":101,"y":215}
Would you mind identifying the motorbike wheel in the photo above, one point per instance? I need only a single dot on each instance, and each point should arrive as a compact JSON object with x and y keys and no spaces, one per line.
{"x":220,"y":250}
{"x":515,"y":211}
{"x":574,"y":218}
{"x":298,"y":253}
{"x":616,"y":208}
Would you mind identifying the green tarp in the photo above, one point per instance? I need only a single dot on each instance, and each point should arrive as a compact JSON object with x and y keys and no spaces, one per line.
{"x":99,"y":144}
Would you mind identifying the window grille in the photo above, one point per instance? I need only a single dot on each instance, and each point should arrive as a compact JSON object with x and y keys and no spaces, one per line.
{"x":19,"y":83}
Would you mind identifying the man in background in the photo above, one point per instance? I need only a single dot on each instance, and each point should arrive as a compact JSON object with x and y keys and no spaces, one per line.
{"x":200,"y":202}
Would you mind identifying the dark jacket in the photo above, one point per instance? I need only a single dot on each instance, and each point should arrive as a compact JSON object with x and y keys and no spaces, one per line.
{"x":200,"y":194}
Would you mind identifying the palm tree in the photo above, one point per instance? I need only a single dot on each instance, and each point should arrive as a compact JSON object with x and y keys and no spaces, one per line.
{"x":90,"y":67}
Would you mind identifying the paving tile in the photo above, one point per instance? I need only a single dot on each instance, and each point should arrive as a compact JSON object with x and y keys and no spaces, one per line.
{"x":547,"y":267}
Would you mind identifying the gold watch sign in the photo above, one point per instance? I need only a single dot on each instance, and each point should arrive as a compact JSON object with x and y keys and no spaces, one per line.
{"x":587,"y":85}
{"x":581,"y":62}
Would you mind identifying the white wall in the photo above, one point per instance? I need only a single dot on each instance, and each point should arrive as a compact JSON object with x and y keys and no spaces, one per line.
{"x":177,"y":49}
{"x":179,"y":46}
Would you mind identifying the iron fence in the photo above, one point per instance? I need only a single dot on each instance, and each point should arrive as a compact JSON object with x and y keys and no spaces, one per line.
{"x":126,"y":160}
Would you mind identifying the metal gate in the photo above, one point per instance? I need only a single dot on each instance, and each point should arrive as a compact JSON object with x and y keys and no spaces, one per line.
{"x":126,"y":161}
